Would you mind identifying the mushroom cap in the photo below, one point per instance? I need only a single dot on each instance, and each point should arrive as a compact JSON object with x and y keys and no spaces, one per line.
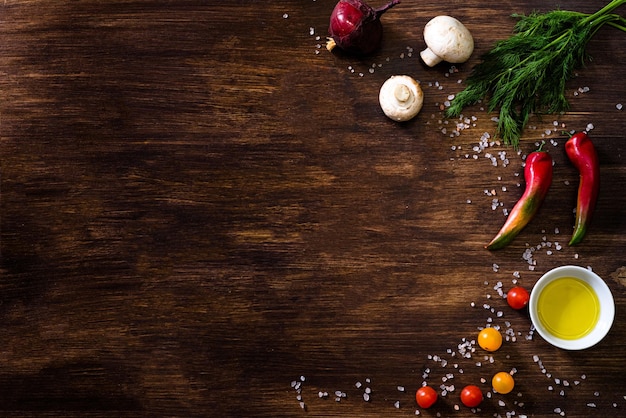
{"x":401,"y":98}
{"x":448,"y":39}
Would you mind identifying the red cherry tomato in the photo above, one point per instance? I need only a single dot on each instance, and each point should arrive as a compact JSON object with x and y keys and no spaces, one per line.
{"x":517,"y":297}
{"x":471,"y":396}
{"x":426,"y":397}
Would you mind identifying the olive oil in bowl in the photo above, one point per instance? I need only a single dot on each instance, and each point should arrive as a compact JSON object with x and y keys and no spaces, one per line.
{"x":568,"y":308}
{"x":571,"y":307}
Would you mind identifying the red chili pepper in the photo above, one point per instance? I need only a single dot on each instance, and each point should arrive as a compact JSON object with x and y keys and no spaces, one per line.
{"x":584,"y":157}
{"x":538,"y":177}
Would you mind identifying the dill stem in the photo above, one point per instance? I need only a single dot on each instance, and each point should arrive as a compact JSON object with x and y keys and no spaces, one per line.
{"x":617,"y":26}
{"x":605,"y":10}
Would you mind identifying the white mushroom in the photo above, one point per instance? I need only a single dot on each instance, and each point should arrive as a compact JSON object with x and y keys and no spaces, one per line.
{"x":401,"y":97}
{"x":448,"y":40}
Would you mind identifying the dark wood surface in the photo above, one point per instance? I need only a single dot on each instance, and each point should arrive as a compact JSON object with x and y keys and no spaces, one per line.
{"x":200,"y":205}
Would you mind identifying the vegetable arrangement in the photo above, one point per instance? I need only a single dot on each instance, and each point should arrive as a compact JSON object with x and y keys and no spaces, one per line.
{"x":527,"y":73}
{"x":538,"y":177}
{"x":522,"y":75}
{"x":490,"y":340}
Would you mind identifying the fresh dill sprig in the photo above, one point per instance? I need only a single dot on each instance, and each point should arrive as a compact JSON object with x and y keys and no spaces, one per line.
{"x":526,"y":73}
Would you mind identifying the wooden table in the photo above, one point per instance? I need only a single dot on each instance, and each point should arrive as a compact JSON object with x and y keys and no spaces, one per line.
{"x":205,"y":213}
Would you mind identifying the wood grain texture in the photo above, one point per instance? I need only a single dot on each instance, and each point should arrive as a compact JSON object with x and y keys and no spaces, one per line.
{"x":200,"y":204}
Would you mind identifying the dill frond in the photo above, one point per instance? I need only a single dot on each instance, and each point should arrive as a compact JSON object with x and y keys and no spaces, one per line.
{"x":527,"y":73}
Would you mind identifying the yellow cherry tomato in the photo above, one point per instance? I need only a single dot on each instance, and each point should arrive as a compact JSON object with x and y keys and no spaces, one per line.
{"x":490,"y":339}
{"x":503,"y":382}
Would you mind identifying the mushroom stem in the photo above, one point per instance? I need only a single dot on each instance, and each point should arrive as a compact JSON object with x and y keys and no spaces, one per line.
{"x":430,"y":58}
{"x":402,"y":93}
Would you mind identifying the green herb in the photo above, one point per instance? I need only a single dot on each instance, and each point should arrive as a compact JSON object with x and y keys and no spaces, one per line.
{"x":527,"y":72}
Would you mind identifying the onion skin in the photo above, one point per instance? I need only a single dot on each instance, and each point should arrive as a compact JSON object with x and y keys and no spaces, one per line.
{"x":355,"y":27}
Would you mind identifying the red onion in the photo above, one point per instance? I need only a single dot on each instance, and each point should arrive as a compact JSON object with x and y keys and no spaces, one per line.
{"x":355,"y":27}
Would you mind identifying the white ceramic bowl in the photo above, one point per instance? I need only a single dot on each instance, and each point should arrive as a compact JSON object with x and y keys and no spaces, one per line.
{"x":606,"y":311}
